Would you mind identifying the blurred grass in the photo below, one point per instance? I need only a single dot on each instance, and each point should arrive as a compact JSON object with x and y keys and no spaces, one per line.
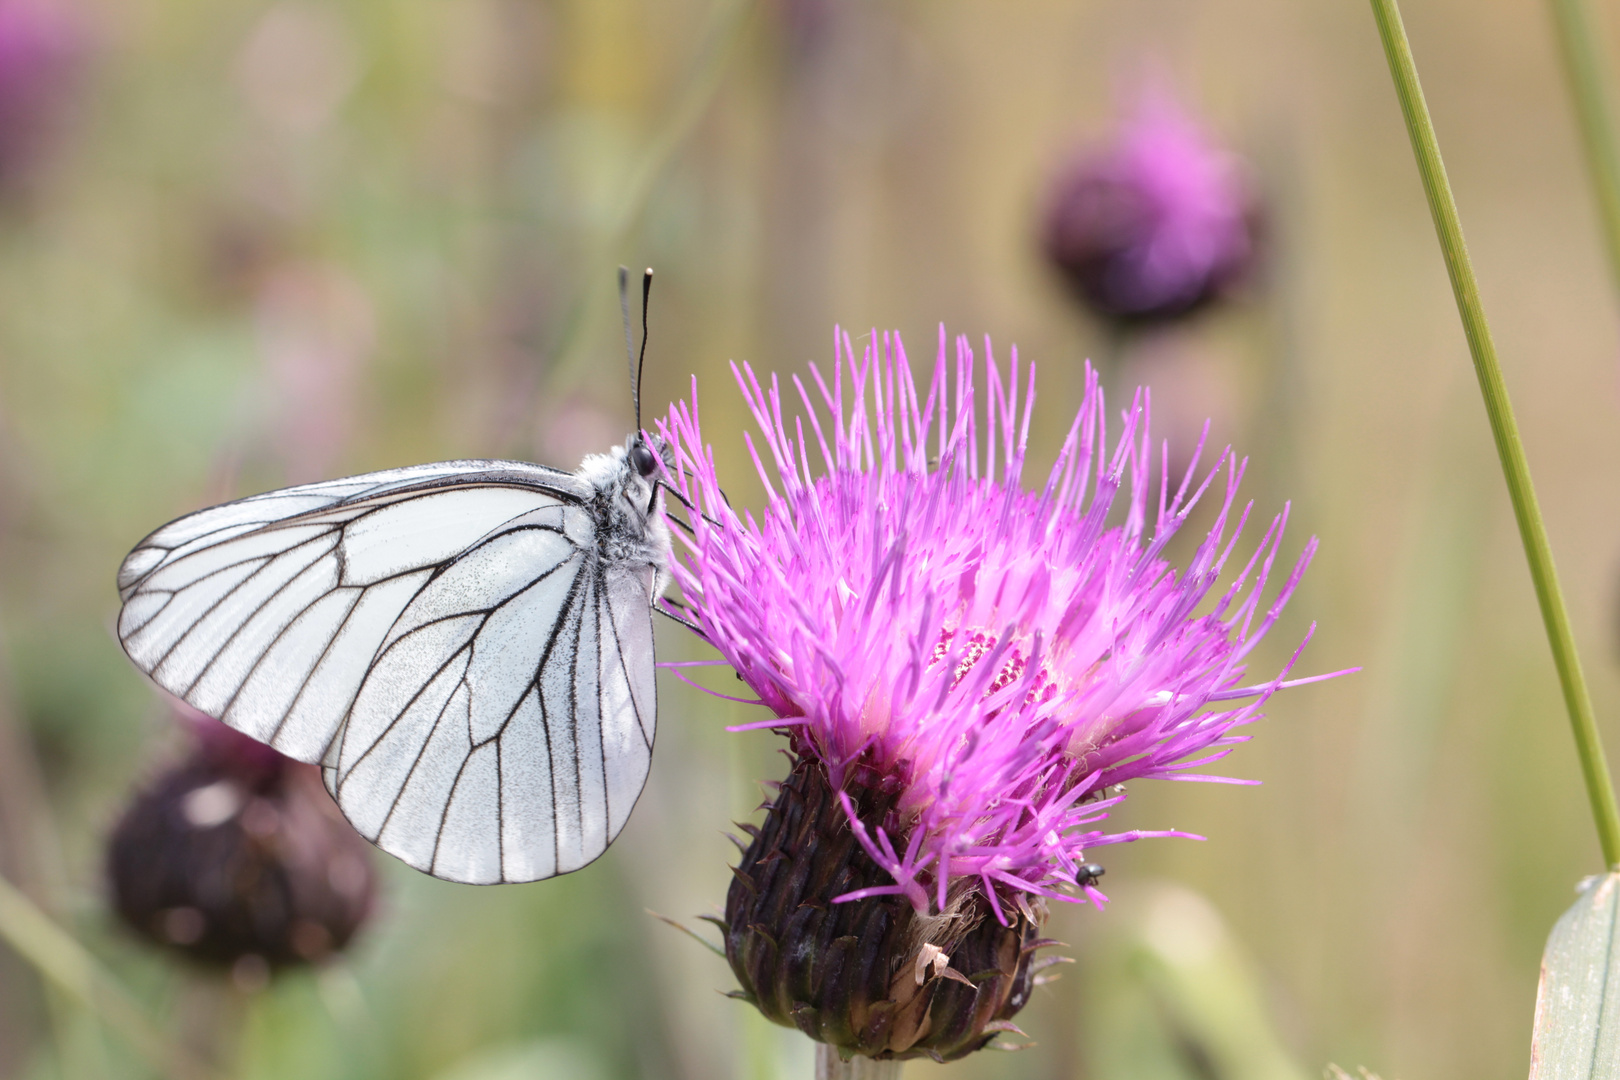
{"x":877,"y":165}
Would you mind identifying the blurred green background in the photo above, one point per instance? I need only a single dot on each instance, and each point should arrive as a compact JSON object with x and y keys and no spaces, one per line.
{"x":277,"y":242}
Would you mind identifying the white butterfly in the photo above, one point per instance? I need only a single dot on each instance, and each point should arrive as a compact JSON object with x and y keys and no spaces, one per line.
{"x":466,"y":647}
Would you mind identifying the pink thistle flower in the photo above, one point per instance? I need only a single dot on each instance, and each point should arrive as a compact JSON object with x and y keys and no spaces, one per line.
{"x":997,"y":658}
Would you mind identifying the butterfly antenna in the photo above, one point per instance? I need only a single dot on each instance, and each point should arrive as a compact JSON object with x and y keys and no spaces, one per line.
{"x":641,"y":362}
{"x":629,"y":341}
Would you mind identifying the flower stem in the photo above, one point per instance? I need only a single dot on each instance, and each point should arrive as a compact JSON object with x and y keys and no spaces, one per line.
{"x":1590,"y":85}
{"x":829,"y":1066}
{"x":66,"y":963}
{"x":1509,"y":446}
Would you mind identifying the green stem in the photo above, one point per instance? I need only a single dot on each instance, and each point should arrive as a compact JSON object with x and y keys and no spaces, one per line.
{"x":1590,"y":85}
{"x":1509,"y":446}
{"x":66,"y":963}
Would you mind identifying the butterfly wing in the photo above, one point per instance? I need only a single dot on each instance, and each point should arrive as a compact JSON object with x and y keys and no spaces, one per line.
{"x":505,"y":730}
{"x":444,"y":638}
{"x":266,"y":612}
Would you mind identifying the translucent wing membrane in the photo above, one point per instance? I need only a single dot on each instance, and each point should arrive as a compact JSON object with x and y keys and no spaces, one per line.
{"x":524,"y":749}
{"x":445,"y":639}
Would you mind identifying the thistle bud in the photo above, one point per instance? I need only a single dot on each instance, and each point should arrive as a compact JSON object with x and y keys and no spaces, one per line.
{"x":870,"y":976}
{"x":1154,"y":226}
{"x":238,"y":859}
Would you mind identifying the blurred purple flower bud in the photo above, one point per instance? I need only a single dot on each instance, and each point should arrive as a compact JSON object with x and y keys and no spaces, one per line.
{"x":237,"y":858}
{"x":969,"y":671}
{"x":43,"y":46}
{"x":1155,"y":225}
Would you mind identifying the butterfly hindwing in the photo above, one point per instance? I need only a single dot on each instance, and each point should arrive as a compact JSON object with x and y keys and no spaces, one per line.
{"x":501,"y":734}
{"x":629,"y":706}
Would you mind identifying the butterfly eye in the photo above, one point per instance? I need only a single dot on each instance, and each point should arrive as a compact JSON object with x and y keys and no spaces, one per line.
{"x":642,"y":459}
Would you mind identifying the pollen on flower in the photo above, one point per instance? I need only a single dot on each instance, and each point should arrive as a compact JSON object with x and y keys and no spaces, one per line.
{"x":997,"y":658}
{"x":980,"y":644}
{"x":977,"y":646}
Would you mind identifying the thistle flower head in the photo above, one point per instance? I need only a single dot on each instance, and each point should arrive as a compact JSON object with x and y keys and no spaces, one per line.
{"x":993,"y":659}
{"x":1155,"y":225}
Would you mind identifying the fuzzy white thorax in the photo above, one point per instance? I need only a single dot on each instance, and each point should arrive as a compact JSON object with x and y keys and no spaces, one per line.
{"x":630,"y":527}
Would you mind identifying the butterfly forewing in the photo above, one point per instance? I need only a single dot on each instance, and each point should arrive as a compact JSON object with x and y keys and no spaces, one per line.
{"x":446,"y":639}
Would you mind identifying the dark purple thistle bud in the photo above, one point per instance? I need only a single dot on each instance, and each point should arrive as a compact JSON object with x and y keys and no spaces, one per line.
{"x":238,"y":859}
{"x":873,"y":976}
{"x":1154,"y":226}
{"x":43,"y":48}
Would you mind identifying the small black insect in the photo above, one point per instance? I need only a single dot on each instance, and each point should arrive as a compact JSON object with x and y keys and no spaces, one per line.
{"x":1088,"y":874}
